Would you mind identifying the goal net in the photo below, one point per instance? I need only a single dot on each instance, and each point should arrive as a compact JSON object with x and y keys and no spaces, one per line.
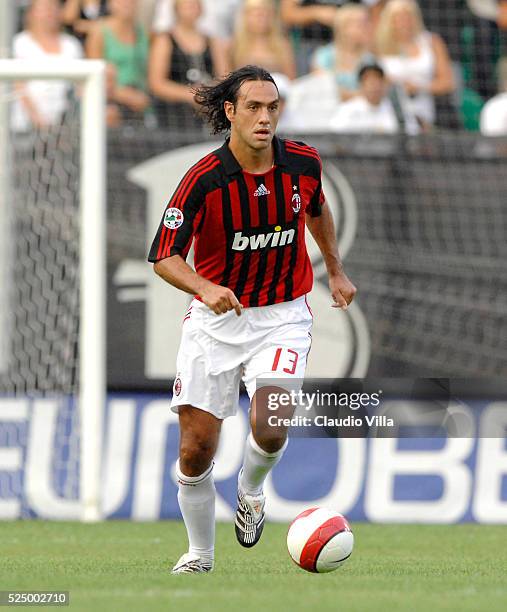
{"x":52,"y":260}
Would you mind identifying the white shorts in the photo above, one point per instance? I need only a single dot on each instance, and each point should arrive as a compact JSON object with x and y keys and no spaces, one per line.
{"x":218,"y":351}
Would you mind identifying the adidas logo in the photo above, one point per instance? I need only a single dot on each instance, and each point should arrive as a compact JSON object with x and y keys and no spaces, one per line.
{"x":262,"y":190}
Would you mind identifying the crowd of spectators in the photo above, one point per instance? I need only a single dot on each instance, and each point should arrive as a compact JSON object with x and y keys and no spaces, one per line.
{"x":364,"y":65}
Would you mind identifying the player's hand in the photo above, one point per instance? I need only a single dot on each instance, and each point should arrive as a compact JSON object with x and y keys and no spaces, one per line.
{"x":342,"y":290}
{"x":220,"y":299}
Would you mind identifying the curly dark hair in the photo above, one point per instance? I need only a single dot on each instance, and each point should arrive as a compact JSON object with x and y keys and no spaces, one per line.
{"x":211,"y":98}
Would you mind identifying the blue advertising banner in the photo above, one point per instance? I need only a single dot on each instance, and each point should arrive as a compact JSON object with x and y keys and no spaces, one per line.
{"x":432,"y":480}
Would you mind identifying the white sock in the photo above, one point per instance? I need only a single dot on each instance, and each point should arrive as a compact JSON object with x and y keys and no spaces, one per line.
{"x":196,"y":497}
{"x":257,"y":464}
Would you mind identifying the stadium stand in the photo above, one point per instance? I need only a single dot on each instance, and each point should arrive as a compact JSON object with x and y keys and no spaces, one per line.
{"x":430,"y":206}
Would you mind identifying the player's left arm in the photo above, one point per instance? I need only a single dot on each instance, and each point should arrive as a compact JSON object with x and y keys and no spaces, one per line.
{"x":323,"y":230}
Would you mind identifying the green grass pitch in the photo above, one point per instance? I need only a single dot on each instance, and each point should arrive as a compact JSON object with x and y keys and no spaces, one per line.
{"x":125,"y":566}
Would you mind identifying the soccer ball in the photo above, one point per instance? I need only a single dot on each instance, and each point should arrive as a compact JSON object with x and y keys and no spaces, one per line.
{"x":319,"y":540}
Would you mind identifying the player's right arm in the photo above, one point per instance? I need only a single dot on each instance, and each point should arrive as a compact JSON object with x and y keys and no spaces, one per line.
{"x":179,"y":274}
{"x":181,"y":221}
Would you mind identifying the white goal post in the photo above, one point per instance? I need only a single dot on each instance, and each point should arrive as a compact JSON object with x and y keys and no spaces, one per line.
{"x":90,"y":75}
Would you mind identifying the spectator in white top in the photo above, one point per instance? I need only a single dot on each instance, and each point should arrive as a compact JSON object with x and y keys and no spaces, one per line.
{"x":372,"y":111}
{"x":311,"y":102}
{"x":494,"y":113}
{"x":414,"y":58}
{"x":40,"y":104}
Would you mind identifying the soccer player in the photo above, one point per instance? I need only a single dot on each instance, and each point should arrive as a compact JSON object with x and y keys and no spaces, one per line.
{"x":245,"y":206}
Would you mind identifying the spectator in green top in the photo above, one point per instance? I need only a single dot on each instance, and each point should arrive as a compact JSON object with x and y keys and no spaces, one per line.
{"x":122,"y":42}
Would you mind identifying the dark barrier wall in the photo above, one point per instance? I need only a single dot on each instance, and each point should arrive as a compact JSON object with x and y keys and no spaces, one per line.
{"x":422,"y":226}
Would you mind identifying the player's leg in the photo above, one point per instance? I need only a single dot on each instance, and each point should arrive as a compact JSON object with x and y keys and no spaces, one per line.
{"x":282,"y":359}
{"x":265,"y":443}
{"x":199,"y":436}
{"x":205,"y":392}
{"x":260,"y":457}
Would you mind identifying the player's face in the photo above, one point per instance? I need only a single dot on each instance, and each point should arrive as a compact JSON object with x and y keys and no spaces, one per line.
{"x":255,"y":116}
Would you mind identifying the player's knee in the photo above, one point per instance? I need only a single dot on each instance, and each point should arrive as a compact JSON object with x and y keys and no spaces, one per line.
{"x":196,"y":455}
{"x":272,"y":443}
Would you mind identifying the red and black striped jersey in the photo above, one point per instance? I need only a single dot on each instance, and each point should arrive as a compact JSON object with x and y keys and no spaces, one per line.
{"x":248,"y":229}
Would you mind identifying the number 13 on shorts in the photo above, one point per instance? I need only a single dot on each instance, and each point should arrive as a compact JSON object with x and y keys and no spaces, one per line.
{"x":285,"y":360}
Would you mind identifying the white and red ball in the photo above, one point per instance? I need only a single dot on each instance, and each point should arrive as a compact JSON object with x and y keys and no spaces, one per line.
{"x":320,"y":540}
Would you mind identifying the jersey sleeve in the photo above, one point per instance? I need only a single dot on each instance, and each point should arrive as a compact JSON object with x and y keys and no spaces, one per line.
{"x":314,"y":206}
{"x":180,"y":221}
